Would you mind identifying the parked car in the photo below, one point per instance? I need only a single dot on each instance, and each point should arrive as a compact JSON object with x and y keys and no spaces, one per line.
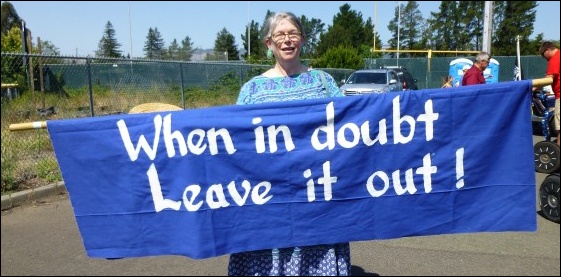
{"x":368,"y":81}
{"x":405,"y":77}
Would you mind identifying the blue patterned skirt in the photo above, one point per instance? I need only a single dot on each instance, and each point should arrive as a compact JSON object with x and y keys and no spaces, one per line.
{"x":317,"y":260}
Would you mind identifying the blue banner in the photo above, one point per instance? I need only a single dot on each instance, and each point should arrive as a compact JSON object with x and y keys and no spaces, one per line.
{"x":213,"y":181}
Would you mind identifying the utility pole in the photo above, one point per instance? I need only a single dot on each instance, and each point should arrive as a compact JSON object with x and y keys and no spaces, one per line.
{"x":487,"y":27}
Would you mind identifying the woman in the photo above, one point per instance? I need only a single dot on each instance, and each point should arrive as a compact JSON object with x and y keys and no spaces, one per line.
{"x":289,"y":80}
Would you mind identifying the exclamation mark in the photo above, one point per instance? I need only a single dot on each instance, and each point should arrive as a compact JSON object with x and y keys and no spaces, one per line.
{"x":460,"y":168}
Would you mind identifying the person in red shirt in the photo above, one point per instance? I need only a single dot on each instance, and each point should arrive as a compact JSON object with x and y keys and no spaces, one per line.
{"x":474,"y":75}
{"x":550,"y":52}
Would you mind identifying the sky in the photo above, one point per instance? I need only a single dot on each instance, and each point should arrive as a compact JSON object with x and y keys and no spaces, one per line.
{"x":76,"y":27}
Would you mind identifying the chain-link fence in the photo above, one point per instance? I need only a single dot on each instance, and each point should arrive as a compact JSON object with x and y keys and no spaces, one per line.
{"x":39,"y":88}
{"x":429,"y":72}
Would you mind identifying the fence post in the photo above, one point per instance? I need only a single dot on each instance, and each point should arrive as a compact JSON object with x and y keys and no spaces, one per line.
{"x":182,"y":85}
{"x":90,"y":89}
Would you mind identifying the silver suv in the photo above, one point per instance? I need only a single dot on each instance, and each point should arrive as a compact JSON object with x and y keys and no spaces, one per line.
{"x":371,"y":81}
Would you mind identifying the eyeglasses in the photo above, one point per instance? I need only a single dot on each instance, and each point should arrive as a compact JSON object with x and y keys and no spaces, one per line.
{"x":281,"y":36}
{"x":484,"y":61}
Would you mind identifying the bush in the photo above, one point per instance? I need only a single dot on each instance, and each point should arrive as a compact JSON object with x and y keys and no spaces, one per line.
{"x":340,"y":57}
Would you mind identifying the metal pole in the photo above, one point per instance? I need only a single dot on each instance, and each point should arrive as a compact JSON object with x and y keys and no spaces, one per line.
{"x":90,"y":90}
{"x":398,"y":27}
{"x":519,"y":77}
{"x":130,"y":36}
{"x":375,"y":22}
{"x":130,"y":30}
{"x":248,"y":33}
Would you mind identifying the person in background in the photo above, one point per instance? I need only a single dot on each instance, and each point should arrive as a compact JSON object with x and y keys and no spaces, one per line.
{"x":465,"y":68}
{"x":447,"y":81}
{"x":550,"y":52}
{"x":474,"y":75}
{"x":289,"y":80}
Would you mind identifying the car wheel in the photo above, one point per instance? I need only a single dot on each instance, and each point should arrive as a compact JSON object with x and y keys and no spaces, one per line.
{"x":549,"y":197}
{"x":546,"y":157}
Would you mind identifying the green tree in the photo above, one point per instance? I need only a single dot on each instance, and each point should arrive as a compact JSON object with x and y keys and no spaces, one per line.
{"x":405,"y":28}
{"x":255,"y":42}
{"x":154,"y":45}
{"x":440,"y":26}
{"x":368,"y":32}
{"x":412,"y":19}
{"x":10,"y":17}
{"x":449,"y":28}
{"x":13,"y":69}
{"x":519,"y":18}
{"x":11,"y":41}
{"x":347,"y":30}
{"x":173,"y":50}
{"x":108,"y":45}
{"x":340,"y":57}
{"x":225,"y":42}
{"x":312,"y":28}
{"x":186,"y":50}
{"x":48,"y":49}
{"x":534,"y":45}
{"x":474,"y":15}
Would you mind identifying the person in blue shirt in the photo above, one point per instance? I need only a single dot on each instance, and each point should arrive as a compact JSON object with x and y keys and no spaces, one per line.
{"x":289,"y":80}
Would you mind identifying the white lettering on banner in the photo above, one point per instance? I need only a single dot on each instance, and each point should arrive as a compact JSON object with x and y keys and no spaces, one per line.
{"x":460,"y":168}
{"x":195,"y":140}
{"x":364,"y":131}
{"x":272,"y":132}
{"x":428,"y":117}
{"x":215,"y":196}
{"x":326,"y":181}
{"x":426,"y":170}
{"x":198,"y":141}
{"x":160,"y":203}
{"x":142,"y":143}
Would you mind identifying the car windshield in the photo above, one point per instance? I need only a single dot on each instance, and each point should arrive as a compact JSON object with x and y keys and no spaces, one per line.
{"x":368,"y":78}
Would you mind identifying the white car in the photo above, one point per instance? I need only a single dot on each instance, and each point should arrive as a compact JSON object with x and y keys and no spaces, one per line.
{"x":368,"y":81}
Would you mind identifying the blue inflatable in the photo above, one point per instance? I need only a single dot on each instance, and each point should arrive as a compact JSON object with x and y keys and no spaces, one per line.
{"x":457,"y":67}
{"x":456,"y":70}
{"x":491,"y":73}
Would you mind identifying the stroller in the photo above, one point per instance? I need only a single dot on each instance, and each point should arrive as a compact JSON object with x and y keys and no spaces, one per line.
{"x":546,"y":155}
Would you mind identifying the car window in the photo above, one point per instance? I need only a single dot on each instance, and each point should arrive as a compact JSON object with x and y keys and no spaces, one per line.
{"x":393,"y":76}
{"x":367,"y":78}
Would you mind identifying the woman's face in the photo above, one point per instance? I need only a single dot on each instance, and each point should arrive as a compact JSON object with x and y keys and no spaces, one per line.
{"x":286,"y":41}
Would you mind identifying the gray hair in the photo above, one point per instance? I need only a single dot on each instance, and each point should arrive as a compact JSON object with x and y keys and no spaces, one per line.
{"x":482,"y":56}
{"x":275,"y":18}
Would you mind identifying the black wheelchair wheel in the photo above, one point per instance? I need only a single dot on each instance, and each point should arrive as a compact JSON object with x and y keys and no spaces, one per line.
{"x":546,"y":157}
{"x":549,"y":197}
